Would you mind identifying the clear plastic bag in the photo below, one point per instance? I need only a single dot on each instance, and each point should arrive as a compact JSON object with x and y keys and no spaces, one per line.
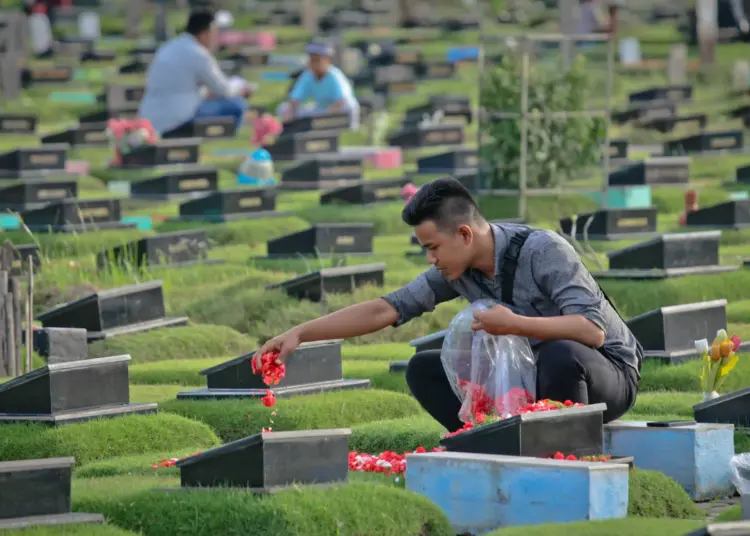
{"x":492,"y":375}
{"x":740,"y":466}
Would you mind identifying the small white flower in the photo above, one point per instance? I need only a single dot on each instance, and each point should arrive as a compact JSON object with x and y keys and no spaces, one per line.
{"x":701,"y":346}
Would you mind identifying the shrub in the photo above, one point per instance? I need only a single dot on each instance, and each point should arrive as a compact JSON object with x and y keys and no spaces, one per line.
{"x":361,"y":509}
{"x":653,"y":494}
{"x":397,"y":435}
{"x":189,"y":342}
{"x":104,"y":438}
{"x":236,"y":419}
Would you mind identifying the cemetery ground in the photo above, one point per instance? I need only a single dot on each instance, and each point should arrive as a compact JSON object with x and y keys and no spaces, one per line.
{"x":231,"y":312}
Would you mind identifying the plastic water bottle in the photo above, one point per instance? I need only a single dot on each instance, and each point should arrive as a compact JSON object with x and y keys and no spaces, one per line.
{"x":257,"y":169}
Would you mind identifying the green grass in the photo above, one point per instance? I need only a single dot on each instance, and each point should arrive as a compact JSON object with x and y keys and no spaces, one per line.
{"x":71,"y":530}
{"x":99,"y":439}
{"x":615,"y":527}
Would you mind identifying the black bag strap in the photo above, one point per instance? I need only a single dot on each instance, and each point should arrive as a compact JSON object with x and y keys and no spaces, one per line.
{"x":510,"y":264}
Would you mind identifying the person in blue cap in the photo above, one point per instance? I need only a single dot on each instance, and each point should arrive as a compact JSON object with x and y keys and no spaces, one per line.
{"x":325,"y":85}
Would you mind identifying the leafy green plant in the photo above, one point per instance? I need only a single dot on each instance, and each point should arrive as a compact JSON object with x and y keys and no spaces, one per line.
{"x":558,"y":148}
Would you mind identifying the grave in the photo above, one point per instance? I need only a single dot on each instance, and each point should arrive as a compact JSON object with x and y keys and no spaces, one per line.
{"x":667,"y":255}
{"x":455,"y":161}
{"x":324,"y":239}
{"x":696,"y":455}
{"x":164,"y":153}
{"x":618,"y":149}
{"x":180,"y":183}
{"x":178,"y":248}
{"x":315,"y":286}
{"x":118,"y":311}
{"x":731,"y":408}
{"x":415,"y":137}
{"x":46,"y":74}
{"x":366,"y":192}
{"x":734,"y":214}
{"x":61,"y":345}
{"x":326,"y":122}
{"x":480,"y":493}
{"x":705,"y":142}
{"x":298,"y":145}
{"x":442,"y":70}
{"x":742,"y":175}
{"x":138,"y":64}
{"x":571,"y":430}
{"x":676,"y":93}
{"x":655,"y":171}
{"x":614,"y":224}
{"x":18,"y":124}
{"x":33,"y":161}
{"x":70,"y":392}
{"x":85,"y":134}
{"x":324,"y":171}
{"x":449,"y":106}
{"x":667,"y":334}
{"x":433,"y":341}
{"x":121,"y":96}
{"x":30,"y":194}
{"x":204,"y":127}
{"x":268,"y":461}
{"x":393,"y":80}
{"x":21,"y":254}
{"x":313,"y":368}
{"x":644,"y":111}
{"x":668,"y":124}
{"x":38,"y":493}
{"x":75,"y":215}
{"x":229,"y":205}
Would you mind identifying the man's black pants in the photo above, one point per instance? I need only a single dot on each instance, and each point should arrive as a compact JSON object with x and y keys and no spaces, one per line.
{"x":566,"y":370}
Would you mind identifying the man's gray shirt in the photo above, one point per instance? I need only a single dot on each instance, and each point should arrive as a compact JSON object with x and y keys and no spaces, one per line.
{"x":550,"y":280}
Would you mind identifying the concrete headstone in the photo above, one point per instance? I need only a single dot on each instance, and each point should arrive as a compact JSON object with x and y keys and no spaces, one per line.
{"x":677,"y":65}
{"x":41,"y":33}
{"x":89,"y":26}
{"x":741,"y":75}
{"x":630,"y":51}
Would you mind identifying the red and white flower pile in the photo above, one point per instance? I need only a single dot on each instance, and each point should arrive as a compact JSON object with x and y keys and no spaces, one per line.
{"x":171,"y":462}
{"x":574,"y":458}
{"x":387,"y":463}
{"x":126,"y":135}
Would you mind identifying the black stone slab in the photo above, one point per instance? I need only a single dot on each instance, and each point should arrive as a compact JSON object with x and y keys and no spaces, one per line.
{"x":324,"y":239}
{"x":138,"y":65}
{"x":395,"y":89}
{"x":61,"y":345}
{"x":129,"y":111}
{"x":87,"y":134}
{"x":18,"y":124}
{"x":40,"y":74}
{"x":668,"y":334}
{"x":304,"y":144}
{"x":35,"y":193}
{"x":179,"y":183}
{"x":75,"y":215}
{"x":614,"y":224}
{"x":656,"y":171}
{"x":205,"y":127}
{"x":32,"y":160}
{"x":313,"y":367}
{"x":669,"y":93}
{"x":451,"y":106}
{"x":21,"y":254}
{"x":119,"y":96}
{"x":743,"y":175}
{"x":705,"y":143}
{"x":433,"y":341}
{"x":668,"y":255}
{"x":457,"y":160}
{"x":272,"y":460}
{"x":328,"y":122}
{"x":98,"y":55}
{"x":226,"y":205}
{"x":398,"y":366}
{"x":618,"y":149}
{"x":116,"y":311}
{"x":345,"y":280}
{"x":668,"y":124}
{"x":577,"y":431}
{"x":366,"y":192}
{"x":436,"y":71}
{"x":733,"y":214}
{"x":732,"y":408}
{"x":163,"y":153}
{"x":432,"y":136}
{"x":645,"y":111}
{"x":165,"y":249}
{"x":324,"y":172}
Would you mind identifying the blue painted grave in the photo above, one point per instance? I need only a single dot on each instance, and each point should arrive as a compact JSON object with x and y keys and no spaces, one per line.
{"x":627,"y":197}
{"x":482,"y":492}
{"x":9,"y":221}
{"x":456,"y":54}
{"x":142,"y":223}
{"x":72,"y":97}
{"x":697,"y":456}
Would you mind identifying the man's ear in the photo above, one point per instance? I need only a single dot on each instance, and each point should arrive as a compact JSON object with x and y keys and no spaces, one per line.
{"x":466,"y":234}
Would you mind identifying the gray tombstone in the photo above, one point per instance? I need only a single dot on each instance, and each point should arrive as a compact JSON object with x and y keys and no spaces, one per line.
{"x":677,"y":65}
{"x":10,"y":75}
{"x":310,"y":15}
{"x":741,"y":75}
{"x":41,"y":33}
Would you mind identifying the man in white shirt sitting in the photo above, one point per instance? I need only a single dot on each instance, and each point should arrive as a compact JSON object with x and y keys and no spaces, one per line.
{"x":181,"y":69}
{"x":325,"y":85}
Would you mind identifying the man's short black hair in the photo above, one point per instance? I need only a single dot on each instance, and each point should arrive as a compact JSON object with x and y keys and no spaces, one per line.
{"x":444,"y":201}
{"x":199,"y":22}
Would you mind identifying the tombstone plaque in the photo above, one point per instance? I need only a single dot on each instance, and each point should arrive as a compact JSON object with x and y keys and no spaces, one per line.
{"x":304,"y":144}
{"x":186,"y":182}
{"x":118,"y":311}
{"x":679,"y":92}
{"x":312,"y":368}
{"x":38,"y":74}
{"x":707,"y":142}
{"x":668,"y":123}
{"x":229,"y":205}
{"x":327,"y":122}
{"x":17,"y":124}
{"x":324,"y":172}
{"x":436,"y":71}
{"x":85,"y":134}
{"x":428,"y":136}
{"x":614,"y":224}
{"x":75,"y":215}
{"x":657,"y":171}
{"x":455,"y":161}
{"x":315,"y":286}
{"x":178,"y":248}
{"x":366,"y":192}
{"x":33,"y":161}
{"x":164,"y":153}
{"x":205,"y":127}
{"x":31,"y":194}
{"x":119,"y":96}
{"x":324,"y":239}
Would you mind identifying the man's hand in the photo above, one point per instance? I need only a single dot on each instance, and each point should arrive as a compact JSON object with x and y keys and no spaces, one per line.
{"x":497,"y":321}
{"x":246,"y":91}
{"x":285,"y":344}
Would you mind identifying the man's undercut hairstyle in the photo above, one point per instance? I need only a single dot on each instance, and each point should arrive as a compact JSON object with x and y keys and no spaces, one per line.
{"x":444,"y":201}
{"x":199,"y":22}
